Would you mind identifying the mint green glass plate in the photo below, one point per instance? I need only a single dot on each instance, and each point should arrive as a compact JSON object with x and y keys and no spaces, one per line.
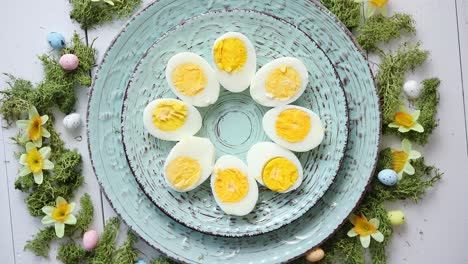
{"x":184,"y":244}
{"x":234,"y":123}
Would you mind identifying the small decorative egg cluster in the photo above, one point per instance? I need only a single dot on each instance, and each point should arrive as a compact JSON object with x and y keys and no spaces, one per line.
{"x":192,"y":159}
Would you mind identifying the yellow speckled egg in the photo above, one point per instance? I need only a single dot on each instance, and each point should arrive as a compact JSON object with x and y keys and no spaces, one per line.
{"x":315,"y":255}
{"x":396,"y":217}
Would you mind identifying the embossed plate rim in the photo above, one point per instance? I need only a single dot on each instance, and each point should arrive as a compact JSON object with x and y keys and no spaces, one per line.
{"x":276,"y":224}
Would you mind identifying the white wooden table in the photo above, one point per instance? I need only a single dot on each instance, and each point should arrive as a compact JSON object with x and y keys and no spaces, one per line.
{"x":436,"y":230}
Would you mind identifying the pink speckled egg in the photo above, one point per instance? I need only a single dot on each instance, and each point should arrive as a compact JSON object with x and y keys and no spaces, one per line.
{"x":69,"y":62}
{"x":90,"y":239}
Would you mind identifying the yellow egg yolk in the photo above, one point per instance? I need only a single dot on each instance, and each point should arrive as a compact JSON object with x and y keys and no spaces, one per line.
{"x":183,"y":172}
{"x":34,"y":160}
{"x":279,"y":174}
{"x":379,"y":3}
{"x":283,"y":83}
{"x":35,"y":129}
{"x":293,"y":125}
{"x":169,"y":115}
{"x":189,"y":79}
{"x":231,"y":185}
{"x":230,"y":54}
{"x":399,"y":160}
{"x":404,"y":119}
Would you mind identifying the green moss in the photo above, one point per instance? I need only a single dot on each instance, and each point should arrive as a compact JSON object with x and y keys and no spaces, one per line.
{"x":106,"y":245}
{"x":391,"y":76}
{"x":85,"y":216}
{"x":40,"y":245}
{"x":90,"y":14}
{"x":380,"y":29}
{"x":71,"y":253}
{"x":348,"y":11}
{"x":126,"y":253}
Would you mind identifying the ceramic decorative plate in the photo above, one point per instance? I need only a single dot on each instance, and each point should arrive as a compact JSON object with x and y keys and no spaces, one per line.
{"x":234,"y":123}
{"x":184,"y":244}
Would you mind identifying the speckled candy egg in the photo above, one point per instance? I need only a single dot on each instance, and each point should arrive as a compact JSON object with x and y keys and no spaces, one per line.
{"x":315,"y":255}
{"x":56,"y":40}
{"x":72,"y":121}
{"x":412,"y":89}
{"x":90,"y":239}
{"x":140,"y":261}
{"x":388,"y":177}
{"x":69,"y":62}
{"x":396,"y":218}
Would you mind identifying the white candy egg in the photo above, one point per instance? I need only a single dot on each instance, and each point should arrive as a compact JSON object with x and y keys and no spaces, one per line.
{"x":293,"y":127}
{"x":235,"y":61}
{"x":412,"y":89}
{"x":235,"y":192}
{"x":72,"y":121}
{"x":189,"y":163}
{"x":192,"y":79}
{"x":274,"y":167}
{"x":279,"y":82}
{"x":171,"y":119}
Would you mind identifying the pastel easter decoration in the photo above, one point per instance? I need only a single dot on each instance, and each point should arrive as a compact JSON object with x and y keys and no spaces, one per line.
{"x":69,"y":62}
{"x":90,"y":239}
{"x":72,"y":121}
{"x":396,"y":217}
{"x":388,"y":177}
{"x":56,"y":40}
{"x":140,"y":261}
{"x":315,"y":255}
{"x":412,"y":89}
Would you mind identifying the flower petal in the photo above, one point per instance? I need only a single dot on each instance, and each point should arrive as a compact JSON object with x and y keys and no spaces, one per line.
{"x":44,"y":119}
{"x":415,"y":115}
{"x":23,"y":124}
{"x":38,"y":177}
{"x":352,"y":219}
{"x":33,"y":112}
{"x":418,"y":128}
{"x":370,"y":10}
{"x":24,"y":137}
{"x":24,"y":171}
{"x":408,"y":169}
{"x":45,"y":152}
{"x":29,"y":146}
{"x":60,"y":200}
{"x":45,"y":133}
{"x":378,"y":236}
{"x":47,"y":220}
{"x":59,"y":229}
{"x":414,"y":154}
{"x":48,"y":165}
{"x":383,"y":10}
{"x":71,"y":207}
{"x":352,"y":233}
{"x":400,"y":175}
{"x":38,"y":142}
{"x":403,"y":129}
{"x":22,"y":159}
{"x":375,"y":222}
{"x":406,"y":145}
{"x":48,"y":210}
{"x":71,"y":220}
{"x":393,"y":125}
{"x":365,"y":241}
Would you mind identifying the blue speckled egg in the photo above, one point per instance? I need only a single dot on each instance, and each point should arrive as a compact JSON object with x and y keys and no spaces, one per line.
{"x":388,"y":177}
{"x":140,"y":262}
{"x":56,"y":40}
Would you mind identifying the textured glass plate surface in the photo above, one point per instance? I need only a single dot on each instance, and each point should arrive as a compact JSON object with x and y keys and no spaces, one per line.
{"x":185,"y":244}
{"x":234,"y":123}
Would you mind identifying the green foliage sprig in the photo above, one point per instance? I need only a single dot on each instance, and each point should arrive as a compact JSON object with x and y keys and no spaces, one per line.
{"x":348,"y":11}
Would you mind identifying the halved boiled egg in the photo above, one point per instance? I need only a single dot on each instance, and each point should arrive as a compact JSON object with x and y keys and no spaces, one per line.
{"x":234,"y":191}
{"x":235,"y":61}
{"x":293,"y":127}
{"x":274,"y":167}
{"x":189,"y":163}
{"x":171,"y":119}
{"x":192,"y":79}
{"x":279,"y":82}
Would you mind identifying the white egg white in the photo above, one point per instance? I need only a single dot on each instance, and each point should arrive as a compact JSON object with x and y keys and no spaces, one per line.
{"x":211,"y":92}
{"x":197,"y":148}
{"x":191,"y":126}
{"x":311,"y":141}
{"x":247,"y":204}
{"x":262,"y":152}
{"x":238,"y":81}
{"x":258,"y":90}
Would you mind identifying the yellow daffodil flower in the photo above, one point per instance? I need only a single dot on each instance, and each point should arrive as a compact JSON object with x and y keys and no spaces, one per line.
{"x":402,"y":158}
{"x":34,"y":130}
{"x":374,"y":5}
{"x":61,"y":215}
{"x":365,"y":229}
{"x":406,"y":122}
{"x":35,"y":161}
